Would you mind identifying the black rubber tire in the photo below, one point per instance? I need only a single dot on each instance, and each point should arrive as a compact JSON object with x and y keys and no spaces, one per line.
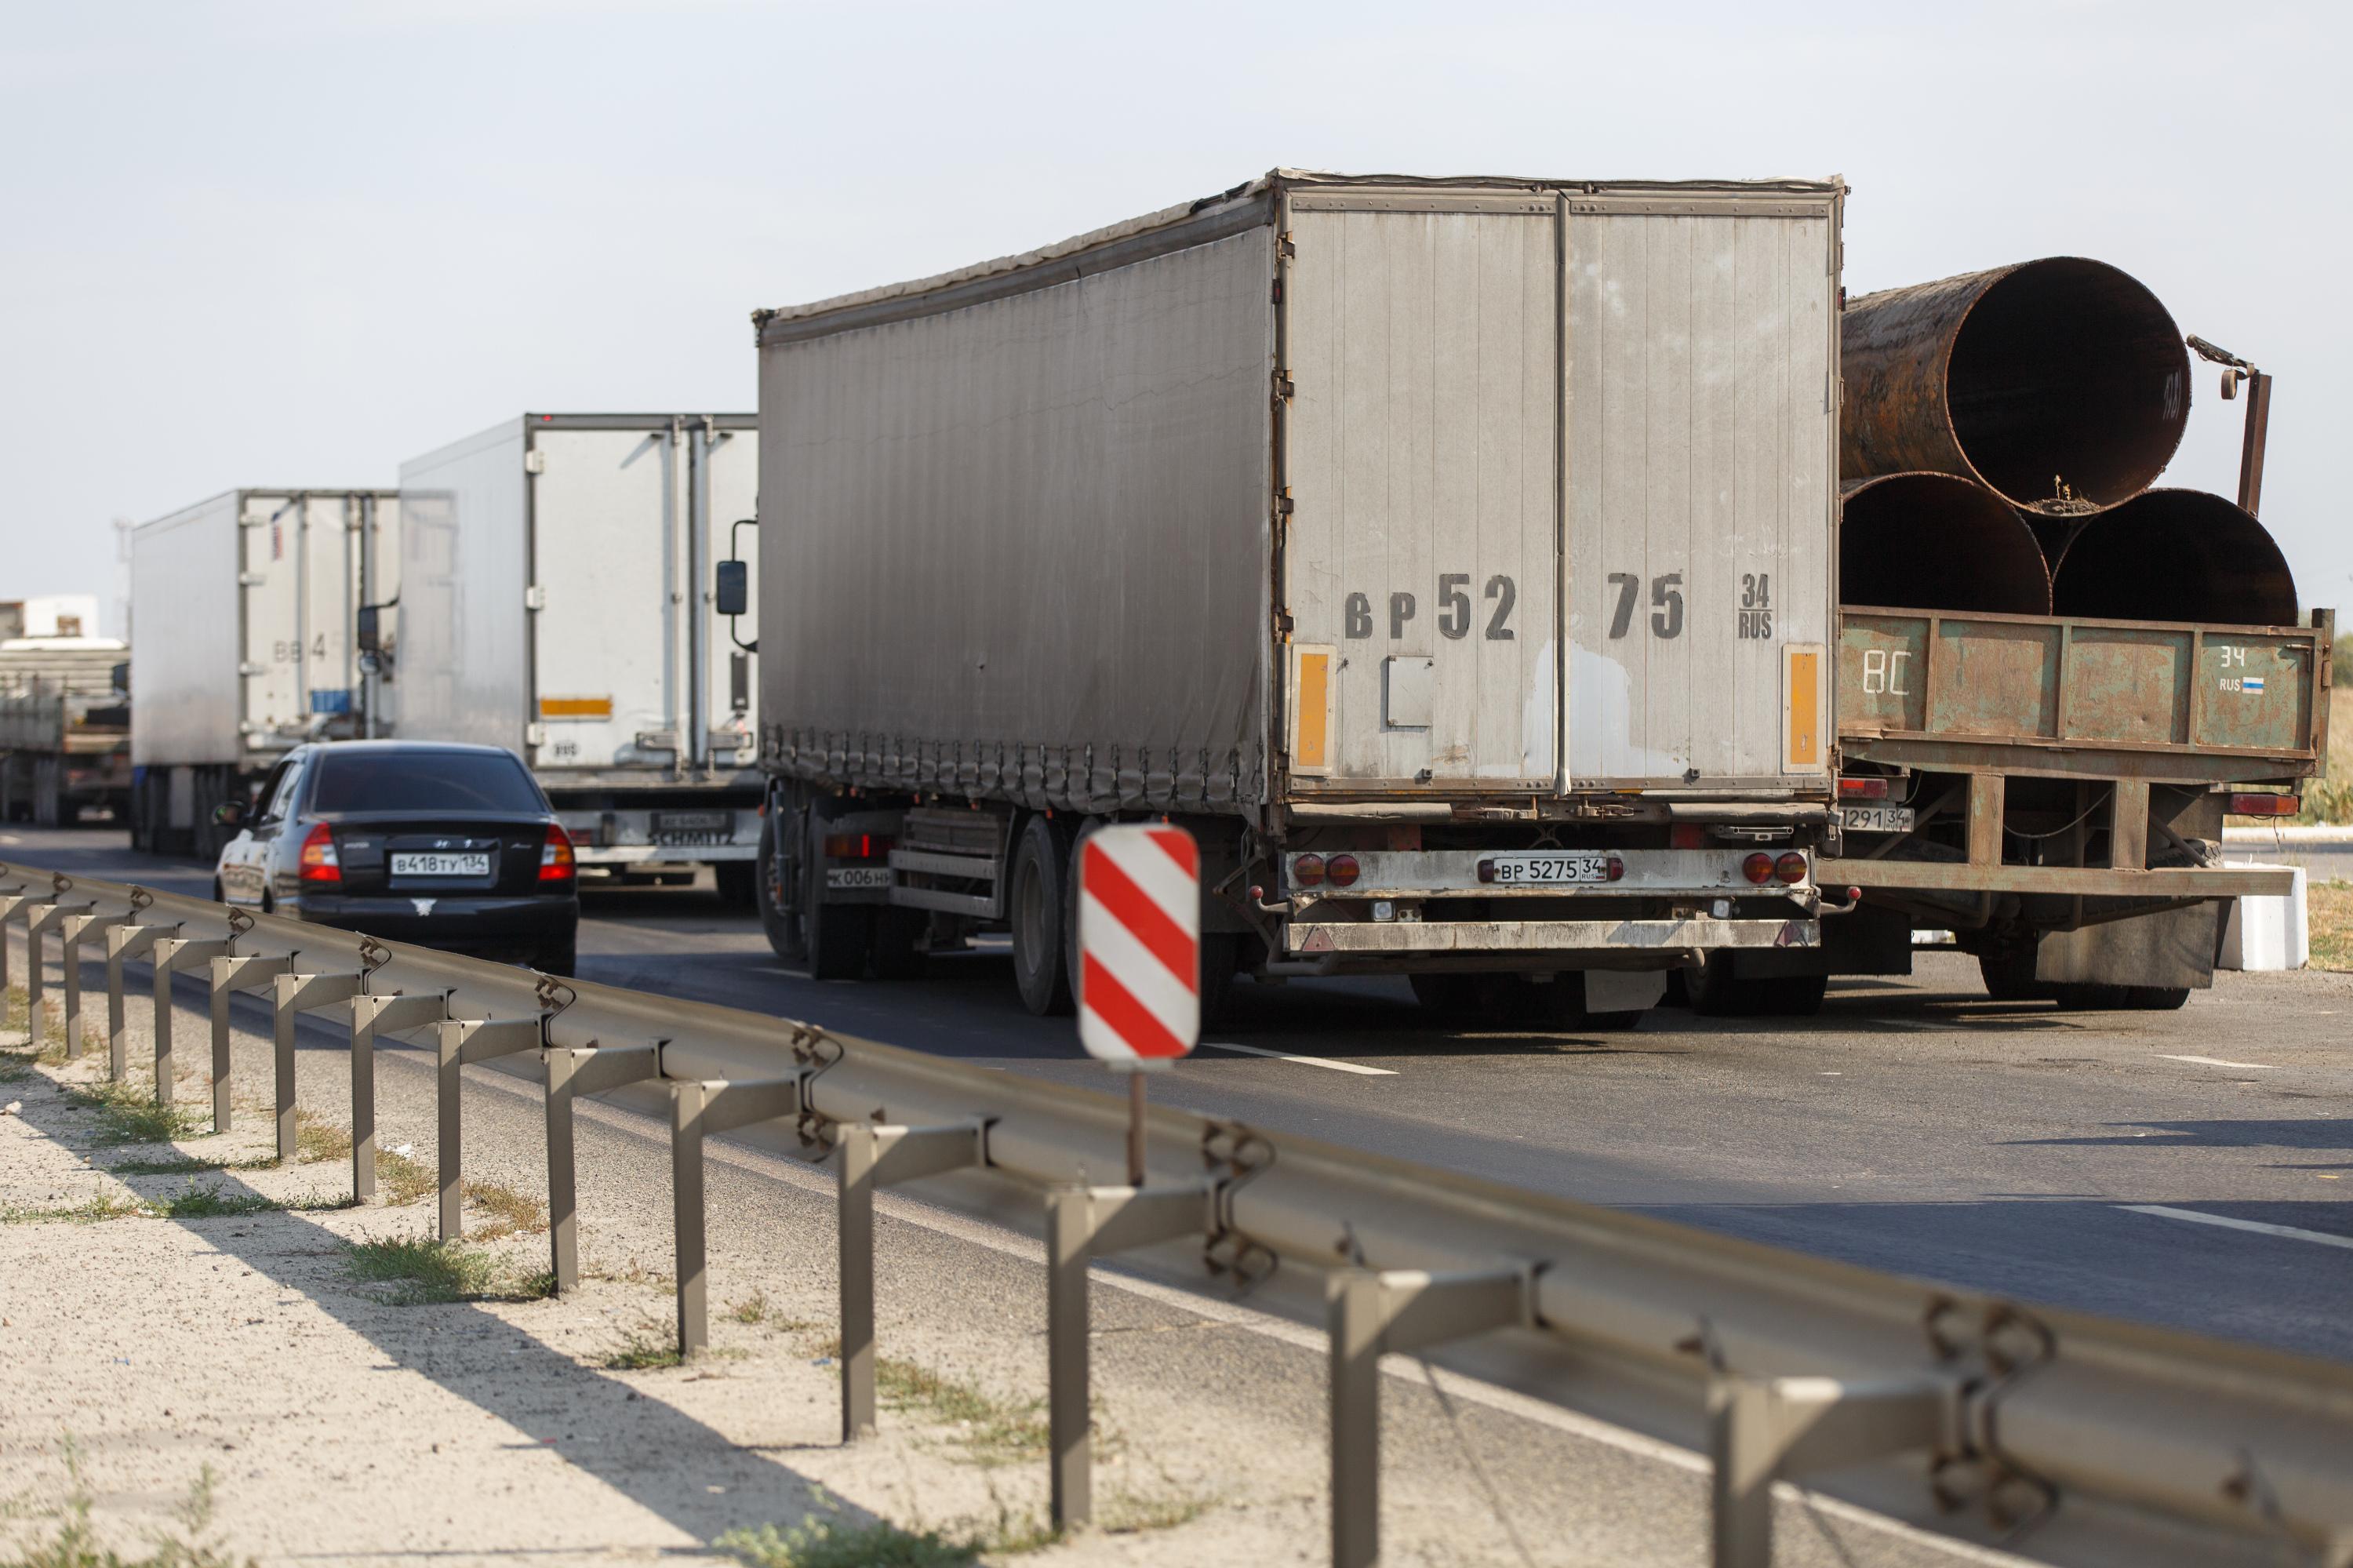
{"x":780,"y":921}
{"x":1220,"y":958}
{"x":898,"y":936}
{"x":2011,"y":977}
{"x":839,"y":939}
{"x":2158,"y":997}
{"x":1038,"y":903}
{"x":738,"y":881}
{"x":1716,"y":993}
{"x":2075,"y":998}
{"x":560,"y":960}
{"x":1451,"y":999}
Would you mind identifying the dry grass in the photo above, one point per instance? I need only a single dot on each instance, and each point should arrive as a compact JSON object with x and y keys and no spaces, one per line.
{"x":2328,"y":908}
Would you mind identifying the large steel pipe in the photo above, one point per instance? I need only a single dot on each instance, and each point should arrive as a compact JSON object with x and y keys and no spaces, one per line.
{"x":2063,"y":383}
{"x":1932,"y":541}
{"x":2176,"y":554}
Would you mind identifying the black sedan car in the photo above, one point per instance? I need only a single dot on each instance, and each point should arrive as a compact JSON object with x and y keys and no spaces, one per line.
{"x":444,"y":846}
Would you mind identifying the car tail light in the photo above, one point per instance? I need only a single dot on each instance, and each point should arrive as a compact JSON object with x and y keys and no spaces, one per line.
{"x":2265,"y":805}
{"x":1307,"y":871}
{"x":1342,"y":869}
{"x":556,"y":862}
{"x":856,"y":846}
{"x":1862,"y":788}
{"x":1615,"y":869}
{"x":1790,"y":868}
{"x":319,"y":861}
{"x":1758,"y":868}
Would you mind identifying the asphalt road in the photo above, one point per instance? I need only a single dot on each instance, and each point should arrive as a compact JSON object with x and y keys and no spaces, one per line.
{"x":2186,"y":1169}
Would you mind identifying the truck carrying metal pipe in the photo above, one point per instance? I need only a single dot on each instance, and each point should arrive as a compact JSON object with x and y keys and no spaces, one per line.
{"x":2063,"y":383}
{"x":2176,"y":554}
{"x":1935,"y":541}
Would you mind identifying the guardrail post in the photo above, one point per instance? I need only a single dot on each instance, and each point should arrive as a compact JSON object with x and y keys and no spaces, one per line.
{"x":700,"y":1109}
{"x":465,"y":1040}
{"x":13,"y":899}
{"x":1082,"y":1223}
{"x":73,"y":932}
{"x":291,"y":996}
{"x":872,"y":1158}
{"x":39,"y":916}
{"x":372,"y":1016}
{"x":172,"y":955}
{"x":573,"y":1071}
{"x":232,"y":974}
{"x":1763,"y":1429}
{"x":1372,"y":1312}
{"x":124,"y":943}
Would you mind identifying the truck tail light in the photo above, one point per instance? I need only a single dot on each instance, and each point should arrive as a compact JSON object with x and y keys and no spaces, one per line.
{"x":318,"y":862}
{"x":1342,"y":869}
{"x":1307,"y":871}
{"x":1790,"y":868}
{"x":555,"y":861}
{"x":1758,"y":868}
{"x":856,"y":846}
{"x":1862,"y":788}
{"x":1616,"y":869}
{"x":1686,"y":835}
{"x":2265,"y":805}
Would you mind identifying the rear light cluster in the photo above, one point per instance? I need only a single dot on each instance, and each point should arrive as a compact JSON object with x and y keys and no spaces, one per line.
{"x":856,"y":846}
{"x":555,"y":859}
{"x":2265,"y":805}
{"x":318,"y":862}
{"x":1862,"y":788}
{"x":1314,"y":871}
{"x":1762,"y":868}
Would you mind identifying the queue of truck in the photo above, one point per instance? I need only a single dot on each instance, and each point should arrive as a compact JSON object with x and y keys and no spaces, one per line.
{"x":1551,"y":593}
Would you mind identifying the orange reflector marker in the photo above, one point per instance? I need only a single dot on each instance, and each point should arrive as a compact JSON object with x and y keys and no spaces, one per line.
{"x":1801,"y":705}
{"x":1311,"y":709}
{"x":576,"y":707}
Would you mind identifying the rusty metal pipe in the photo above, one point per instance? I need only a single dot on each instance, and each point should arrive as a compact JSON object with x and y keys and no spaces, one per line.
{"x":2061,"y":383}
{"x":1932,"y":541}
{"x":2176,"y":554}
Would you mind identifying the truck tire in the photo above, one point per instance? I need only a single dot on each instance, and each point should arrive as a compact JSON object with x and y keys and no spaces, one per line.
{"x":1038,"y":903}
{"x":1450,"y":999}
{"x":779,"y":921}
{"x":2009,"y":977}
{"x":2121,"y":998}
{"x":738,"y":881}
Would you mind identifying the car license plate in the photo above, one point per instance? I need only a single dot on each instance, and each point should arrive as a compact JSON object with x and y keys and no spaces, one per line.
{"x":1514,"y":870}
{"x":859,"y":876}
{"x":441,"y":866}
{"x":1878,"y":818}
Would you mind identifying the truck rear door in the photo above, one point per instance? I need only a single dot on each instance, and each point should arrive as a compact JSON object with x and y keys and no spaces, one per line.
{"x":1421,"y":349}
{"x":608,"y":525}
{"x":1702,"y":474}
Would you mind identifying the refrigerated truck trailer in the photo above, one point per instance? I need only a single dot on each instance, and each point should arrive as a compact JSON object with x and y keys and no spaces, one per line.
{"x":64,"y":728}
{"x":1453,"y":557}
{"x":247,"y":607}
{"x":556,"y":601}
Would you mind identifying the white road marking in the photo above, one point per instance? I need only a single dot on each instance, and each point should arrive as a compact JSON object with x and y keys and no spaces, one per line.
{"x":1303,"y":1060}
{"x":2228,"y":1223}
{"x":2217,"y":1062}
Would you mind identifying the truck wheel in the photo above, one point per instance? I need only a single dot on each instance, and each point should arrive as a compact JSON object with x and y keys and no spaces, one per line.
{"x":739,"y":881}
{"x":1040,"y":904}
{"x":1716,"y":992}
{"x":2121,"y":998}
{"x":2011,"y":977}
{"x":780,"y":920}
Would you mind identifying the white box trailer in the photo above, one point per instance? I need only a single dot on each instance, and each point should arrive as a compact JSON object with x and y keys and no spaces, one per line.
{"x":1474,"y":537}
{"x":556,"y":603}
{"x":247,"y":609}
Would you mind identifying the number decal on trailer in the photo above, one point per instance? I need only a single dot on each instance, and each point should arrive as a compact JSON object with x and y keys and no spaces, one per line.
{"x":1666,"y":601}
{"x":1756,"y":605}
{"x":1500,"y":589}
{"x":1455,"y":611}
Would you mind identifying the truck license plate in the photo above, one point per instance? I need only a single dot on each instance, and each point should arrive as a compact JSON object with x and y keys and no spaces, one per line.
{"x":682,"y":828}
{"x":441,"y":866}
{"x":1878,"y":818}
{"x":859,"y":876}
{"x":1519,"y":869}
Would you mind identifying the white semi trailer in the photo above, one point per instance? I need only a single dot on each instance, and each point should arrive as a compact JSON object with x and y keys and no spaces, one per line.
{"x":1455,"y":558}
{"x":556,"y":601}
{"x":246,"y":608}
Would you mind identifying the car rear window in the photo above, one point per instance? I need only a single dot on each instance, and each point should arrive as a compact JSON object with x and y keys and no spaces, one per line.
{"x":424,"y":781}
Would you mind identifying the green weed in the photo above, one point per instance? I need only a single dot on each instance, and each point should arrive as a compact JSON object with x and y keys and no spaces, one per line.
{"x":422,"y":1273}
{"x":650,"y":1347}
{"x":76,"y":1543}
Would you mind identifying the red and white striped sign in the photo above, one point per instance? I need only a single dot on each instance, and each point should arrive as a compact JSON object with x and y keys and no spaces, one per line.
{"x":1139,"y":943}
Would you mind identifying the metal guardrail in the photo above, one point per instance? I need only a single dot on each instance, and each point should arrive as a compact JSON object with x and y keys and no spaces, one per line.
{"x":2063,"y":1435}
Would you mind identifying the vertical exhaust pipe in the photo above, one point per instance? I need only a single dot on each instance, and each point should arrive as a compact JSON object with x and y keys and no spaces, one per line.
{"x":2176,"y":554}
{"x":1932,"y":541}
{"x":2062,"y":385}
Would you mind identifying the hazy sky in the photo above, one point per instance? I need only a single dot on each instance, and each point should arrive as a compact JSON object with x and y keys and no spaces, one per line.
{"x":259,"y":244}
